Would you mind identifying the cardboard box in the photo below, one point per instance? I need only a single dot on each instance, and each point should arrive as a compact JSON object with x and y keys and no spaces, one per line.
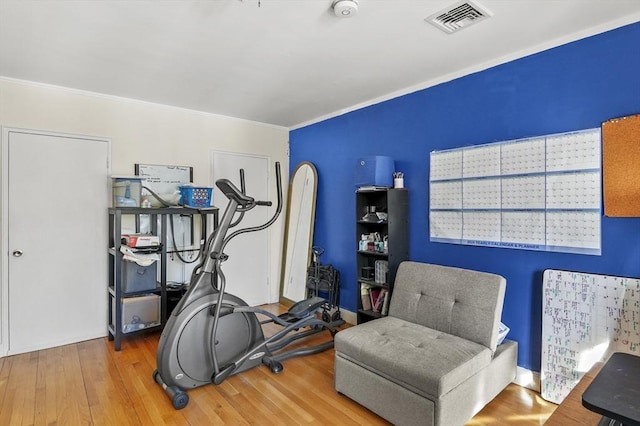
{"x":138,"y":278}
{"x":139,"y":312}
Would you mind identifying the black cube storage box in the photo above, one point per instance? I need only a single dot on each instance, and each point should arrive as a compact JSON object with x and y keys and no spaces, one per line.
{"x":138,"y":278}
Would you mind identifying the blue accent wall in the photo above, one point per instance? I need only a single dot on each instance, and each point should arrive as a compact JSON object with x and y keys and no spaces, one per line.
{"x":572,"y":87}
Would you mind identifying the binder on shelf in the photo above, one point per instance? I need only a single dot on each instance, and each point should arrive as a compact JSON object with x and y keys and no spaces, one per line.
{"x":385,"y":305}
{"x":375,"y":294}
{"x":365,"y":296}
{"x":377,"y":307}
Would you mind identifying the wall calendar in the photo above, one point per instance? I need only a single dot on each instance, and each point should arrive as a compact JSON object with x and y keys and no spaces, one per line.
{"x":540,"y":193}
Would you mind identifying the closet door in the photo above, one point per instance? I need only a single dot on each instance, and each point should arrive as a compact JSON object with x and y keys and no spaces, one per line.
{"x":58,"y":194}
{"x":247,"y":269}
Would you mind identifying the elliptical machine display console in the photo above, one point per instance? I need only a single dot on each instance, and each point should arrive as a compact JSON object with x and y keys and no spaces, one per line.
{"x":212,"y":334}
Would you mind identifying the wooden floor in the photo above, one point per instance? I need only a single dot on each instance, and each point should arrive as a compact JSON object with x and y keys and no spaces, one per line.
{"x":88,"y":383}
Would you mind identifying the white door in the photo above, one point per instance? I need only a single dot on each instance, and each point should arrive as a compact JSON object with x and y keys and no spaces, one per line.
{"x":247,"y":270}
{"x":57,"y":197}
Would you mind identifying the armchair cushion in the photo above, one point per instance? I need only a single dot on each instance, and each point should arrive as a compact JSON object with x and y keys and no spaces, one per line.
{"x":429,"y":361}
{"x":456,"y":301}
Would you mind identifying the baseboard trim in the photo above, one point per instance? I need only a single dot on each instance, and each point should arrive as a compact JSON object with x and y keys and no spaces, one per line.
{"x":348,"y":316}
{"x":528,"y":379}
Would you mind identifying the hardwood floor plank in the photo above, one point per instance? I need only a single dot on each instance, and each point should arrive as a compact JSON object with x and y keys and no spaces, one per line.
{"x":136,"y":369}
{"x":60,"y":393}
{"x":240,"y":404}
{"x":201,"y":411}
{"x":514,"y":406}
{"x":320,"y":395}
{"x":47,"y":389}
{"x":76,"y":404}
{"x":18,"y":406}
{"x":262,"y":383}
{"x":264,"y":410}
{"x":107,"y":394}
{"x":286,"y":401}
{"x":224,"y":410}
{"x":6,"y":397}
{"x":5,"y":371}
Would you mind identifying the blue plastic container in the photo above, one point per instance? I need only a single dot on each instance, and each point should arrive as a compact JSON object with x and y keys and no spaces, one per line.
{"x":375,"y":171}
{"x":194,"y":196}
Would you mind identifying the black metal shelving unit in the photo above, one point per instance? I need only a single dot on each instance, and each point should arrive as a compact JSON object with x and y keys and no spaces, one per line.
{"x":115,"y":258}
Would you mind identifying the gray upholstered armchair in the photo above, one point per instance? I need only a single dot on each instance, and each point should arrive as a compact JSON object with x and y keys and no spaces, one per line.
{"x":434,"y":360}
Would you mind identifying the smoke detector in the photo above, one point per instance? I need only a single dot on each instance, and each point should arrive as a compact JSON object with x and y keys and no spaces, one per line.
{"x":458,"y":16}
{"x":345,"y":8}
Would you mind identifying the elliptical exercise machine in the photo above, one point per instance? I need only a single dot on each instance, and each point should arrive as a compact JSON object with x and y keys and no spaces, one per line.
{"x":211,"y":334}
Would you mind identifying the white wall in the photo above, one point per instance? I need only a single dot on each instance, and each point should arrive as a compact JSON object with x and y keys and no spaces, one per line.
{"x":142,"y":132}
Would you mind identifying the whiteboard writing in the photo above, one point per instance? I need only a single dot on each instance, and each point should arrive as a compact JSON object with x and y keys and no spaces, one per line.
{"x":164,"y":179}
{"x":585,"y":317}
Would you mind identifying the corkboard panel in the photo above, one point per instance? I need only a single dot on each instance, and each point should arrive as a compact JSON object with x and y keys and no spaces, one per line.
{"x":621,"y":166}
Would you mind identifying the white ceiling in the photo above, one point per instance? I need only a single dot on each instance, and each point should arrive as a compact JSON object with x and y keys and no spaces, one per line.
{"x":282,"y":62}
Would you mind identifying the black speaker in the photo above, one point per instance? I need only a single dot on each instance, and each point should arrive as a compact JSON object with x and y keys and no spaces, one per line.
{"x":367,"y":273}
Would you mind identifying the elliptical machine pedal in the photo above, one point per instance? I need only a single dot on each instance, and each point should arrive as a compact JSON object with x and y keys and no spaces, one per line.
{"x":302,"y":309}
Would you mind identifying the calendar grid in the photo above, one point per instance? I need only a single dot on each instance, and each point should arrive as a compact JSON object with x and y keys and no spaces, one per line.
{"x":539,"y":193}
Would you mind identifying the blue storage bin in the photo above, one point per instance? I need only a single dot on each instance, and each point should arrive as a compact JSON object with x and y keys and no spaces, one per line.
{"x":375,"y":171}
{"x":195,"y":196}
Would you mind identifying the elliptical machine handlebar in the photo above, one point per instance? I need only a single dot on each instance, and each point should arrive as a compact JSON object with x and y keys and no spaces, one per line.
{"x":254,"y":203}
{"x":233,"y":193}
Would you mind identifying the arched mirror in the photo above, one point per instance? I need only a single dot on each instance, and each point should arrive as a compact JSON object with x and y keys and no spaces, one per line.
{"x":298,"y":237}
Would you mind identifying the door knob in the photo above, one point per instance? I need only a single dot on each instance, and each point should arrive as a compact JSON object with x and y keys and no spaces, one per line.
{"x":17,"y":253}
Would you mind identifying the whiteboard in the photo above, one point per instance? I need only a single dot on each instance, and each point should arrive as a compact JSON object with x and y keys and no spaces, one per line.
{"x":164,"y":179}
{"x":585,"y":317}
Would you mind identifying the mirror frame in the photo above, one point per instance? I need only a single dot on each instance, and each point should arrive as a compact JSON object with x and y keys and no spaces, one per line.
{"x":294,"y":262}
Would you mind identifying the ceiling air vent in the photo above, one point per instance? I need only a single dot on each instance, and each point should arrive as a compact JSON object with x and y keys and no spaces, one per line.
{"x":458,"y":16}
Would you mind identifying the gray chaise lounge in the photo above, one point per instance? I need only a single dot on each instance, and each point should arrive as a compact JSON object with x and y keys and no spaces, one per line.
{"x":434,"y":360}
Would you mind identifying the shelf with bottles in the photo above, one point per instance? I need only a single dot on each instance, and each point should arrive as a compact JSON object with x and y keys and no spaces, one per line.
{"x":382,"y":239}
